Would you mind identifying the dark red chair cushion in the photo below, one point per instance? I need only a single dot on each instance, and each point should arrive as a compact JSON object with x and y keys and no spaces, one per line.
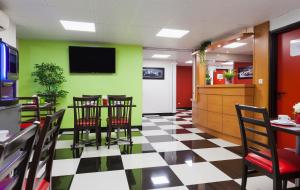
{"x":289,"y":161}
{"x":26,"y":124}
{"x":5,"y":183}
{"x":120,"y":121}
{"x":85,"y":122}
{"x":44,"y":185}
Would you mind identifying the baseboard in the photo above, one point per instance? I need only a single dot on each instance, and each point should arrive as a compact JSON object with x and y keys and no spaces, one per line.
{"x":185,"y":108}
{"x":103,"y":129}
{"x":160,"y":114}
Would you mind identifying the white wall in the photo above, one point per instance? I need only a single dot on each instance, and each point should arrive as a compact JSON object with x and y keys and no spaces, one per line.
{"x":9,"y":35}
{"x":284,"y":20}
{"x":159,"y":96}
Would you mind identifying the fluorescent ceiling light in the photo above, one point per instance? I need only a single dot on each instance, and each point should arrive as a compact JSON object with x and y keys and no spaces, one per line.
{"x":160,"y":180}
{"x":190,"y":61}
{"x":161,"y":56}
{"x":78,"y":26}
{"x":172,"y":33}
{"x":234,"y":45}
{"x":228,"y":63}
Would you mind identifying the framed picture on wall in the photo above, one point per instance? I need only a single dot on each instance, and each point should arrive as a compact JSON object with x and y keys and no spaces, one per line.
{"x":153,"y":73}
{"x":245,"y":72}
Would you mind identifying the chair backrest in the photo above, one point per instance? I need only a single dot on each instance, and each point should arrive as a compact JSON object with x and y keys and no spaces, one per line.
{"x":91,"y":96}
{"x":86,"y":111}
{"x":260,"y":128}
{"x":115,"y":96}
{"x":14,"y":157}
{"x":30,"y":109}
{"x":119,"y":110}
{"x":44,"y":151}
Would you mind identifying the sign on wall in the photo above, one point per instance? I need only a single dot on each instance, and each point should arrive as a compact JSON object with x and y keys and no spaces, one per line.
{"x":245,"y":72}
{"x":295,"y":47}
{"x":153,"y":73}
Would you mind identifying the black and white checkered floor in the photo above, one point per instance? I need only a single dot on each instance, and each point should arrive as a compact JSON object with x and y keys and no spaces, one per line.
{"x":169,"y":153}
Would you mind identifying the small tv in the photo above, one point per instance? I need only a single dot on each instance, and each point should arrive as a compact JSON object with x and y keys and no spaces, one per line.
{"x":92,"y":59}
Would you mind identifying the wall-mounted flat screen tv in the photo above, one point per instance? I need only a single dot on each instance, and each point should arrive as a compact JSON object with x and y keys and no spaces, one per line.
{"x":92,"y":59}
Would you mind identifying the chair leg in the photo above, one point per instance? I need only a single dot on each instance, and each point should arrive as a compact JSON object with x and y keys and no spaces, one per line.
{"x":244,"y":177}
{"x":129,"y":134}
{"x":277,"y":184}
{"x":97,"y":137}
{"x":284,"y":184}
{"x":108,"y":136}
{"x":75,"y":138}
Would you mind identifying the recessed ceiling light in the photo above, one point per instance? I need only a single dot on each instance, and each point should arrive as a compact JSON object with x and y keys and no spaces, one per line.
{"x":172,"y":33}
{"x":189,"y":162}
{"x":219,"y":46}
{"x":78,"y":26}
{"x":190,"y":61}
{"x":238,"y":39}
{"x":234,"y":45}
{"x":161,"y":56}
{"x":160,"y":180}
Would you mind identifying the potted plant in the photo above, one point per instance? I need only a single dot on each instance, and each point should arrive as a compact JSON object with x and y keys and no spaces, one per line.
{"x":297,"y":112}
{"x":229,"y":76}
{"x":207,"y":79}
{"x":202,"y":53}
{"x":50,"y":77}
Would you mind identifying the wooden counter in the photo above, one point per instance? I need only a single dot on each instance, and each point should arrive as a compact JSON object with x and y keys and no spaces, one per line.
{"x":214,"y":109}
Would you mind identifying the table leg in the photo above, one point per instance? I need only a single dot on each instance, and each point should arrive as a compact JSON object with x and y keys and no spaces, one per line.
{"x":298,"y":152}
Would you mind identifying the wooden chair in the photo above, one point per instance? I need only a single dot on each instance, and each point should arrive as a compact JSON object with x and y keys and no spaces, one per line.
{"x":30,"y":111}
{"x":119,"y":116}
{"x":279,"y":164}
{"x":87,"y":116}
{"x":14,"y":157}
{"x":43,"y":155}
{"x":49,"y":99}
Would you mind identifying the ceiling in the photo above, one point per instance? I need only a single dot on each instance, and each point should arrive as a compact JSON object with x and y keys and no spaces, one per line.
{"x":243,"y":50}
{"x":137,"y":21}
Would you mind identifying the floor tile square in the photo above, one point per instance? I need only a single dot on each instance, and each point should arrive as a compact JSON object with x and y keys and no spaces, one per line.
{"x":104,"y":180}
{"x":181,"y":157}
{"x":222,"y":185}
{"x":152,"y":178}
{"x":222,"y":142}
{"x":169,"y":146}
{"x":166,"y":127}
{"x":139,"y":140}
{"x":258,"y":183}
{"x":103,"y":151}
{"x":185,"y":137}
{"x":67,"y":153}
{"x":99,"y":164}
{"x":182,"y":122}
{"x":144,"y":128}
{"x":148,"y":124}
{"x":197,"y":144}
{"x":136,"y":148}
{"x":172,"y":188}
{"x":154,"y":132}
{"x":236,"y":149}
{"x":64,"y":167}
{"x":165,"y":123}
{"x":177,"y":131}
{"x":158,"y":120}
{"x":216,"y":154}
{"x":160,"y":138}
{"x":206,"y":135}
{"x":199,"y":173}
{"x":132,"y":161}
{"x":186,"y":126}
{"x":194,"y":130}
{"x":61,"y":182}
{"x":176,"y":119}
{"x":63,"y":144}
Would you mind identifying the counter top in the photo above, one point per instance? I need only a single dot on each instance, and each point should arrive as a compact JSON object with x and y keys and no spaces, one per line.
{"x":228,"y":86}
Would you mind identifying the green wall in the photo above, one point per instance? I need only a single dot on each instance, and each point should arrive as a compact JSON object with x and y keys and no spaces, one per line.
{"x":127,"y":79}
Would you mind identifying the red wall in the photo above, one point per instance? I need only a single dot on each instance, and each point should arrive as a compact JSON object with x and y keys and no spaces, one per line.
{"x":236,"y":80}
{"x":288,"y":68}
{"x":184,"y":83}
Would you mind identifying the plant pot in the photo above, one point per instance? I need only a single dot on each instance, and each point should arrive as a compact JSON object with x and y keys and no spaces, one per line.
{"x":228,"y":81}
{"x":297,"y":118}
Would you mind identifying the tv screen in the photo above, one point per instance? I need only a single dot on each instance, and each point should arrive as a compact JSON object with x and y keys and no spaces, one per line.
{"x":91,"y":59}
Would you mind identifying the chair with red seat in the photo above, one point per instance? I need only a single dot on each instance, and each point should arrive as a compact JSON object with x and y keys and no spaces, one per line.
{"x":40,"y":167}
{"x":30,"y":111}
{"x":87,"y":116}
{"x":279,"y":164}
{"x":119,"y":117}
{"x":14,"y":157}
